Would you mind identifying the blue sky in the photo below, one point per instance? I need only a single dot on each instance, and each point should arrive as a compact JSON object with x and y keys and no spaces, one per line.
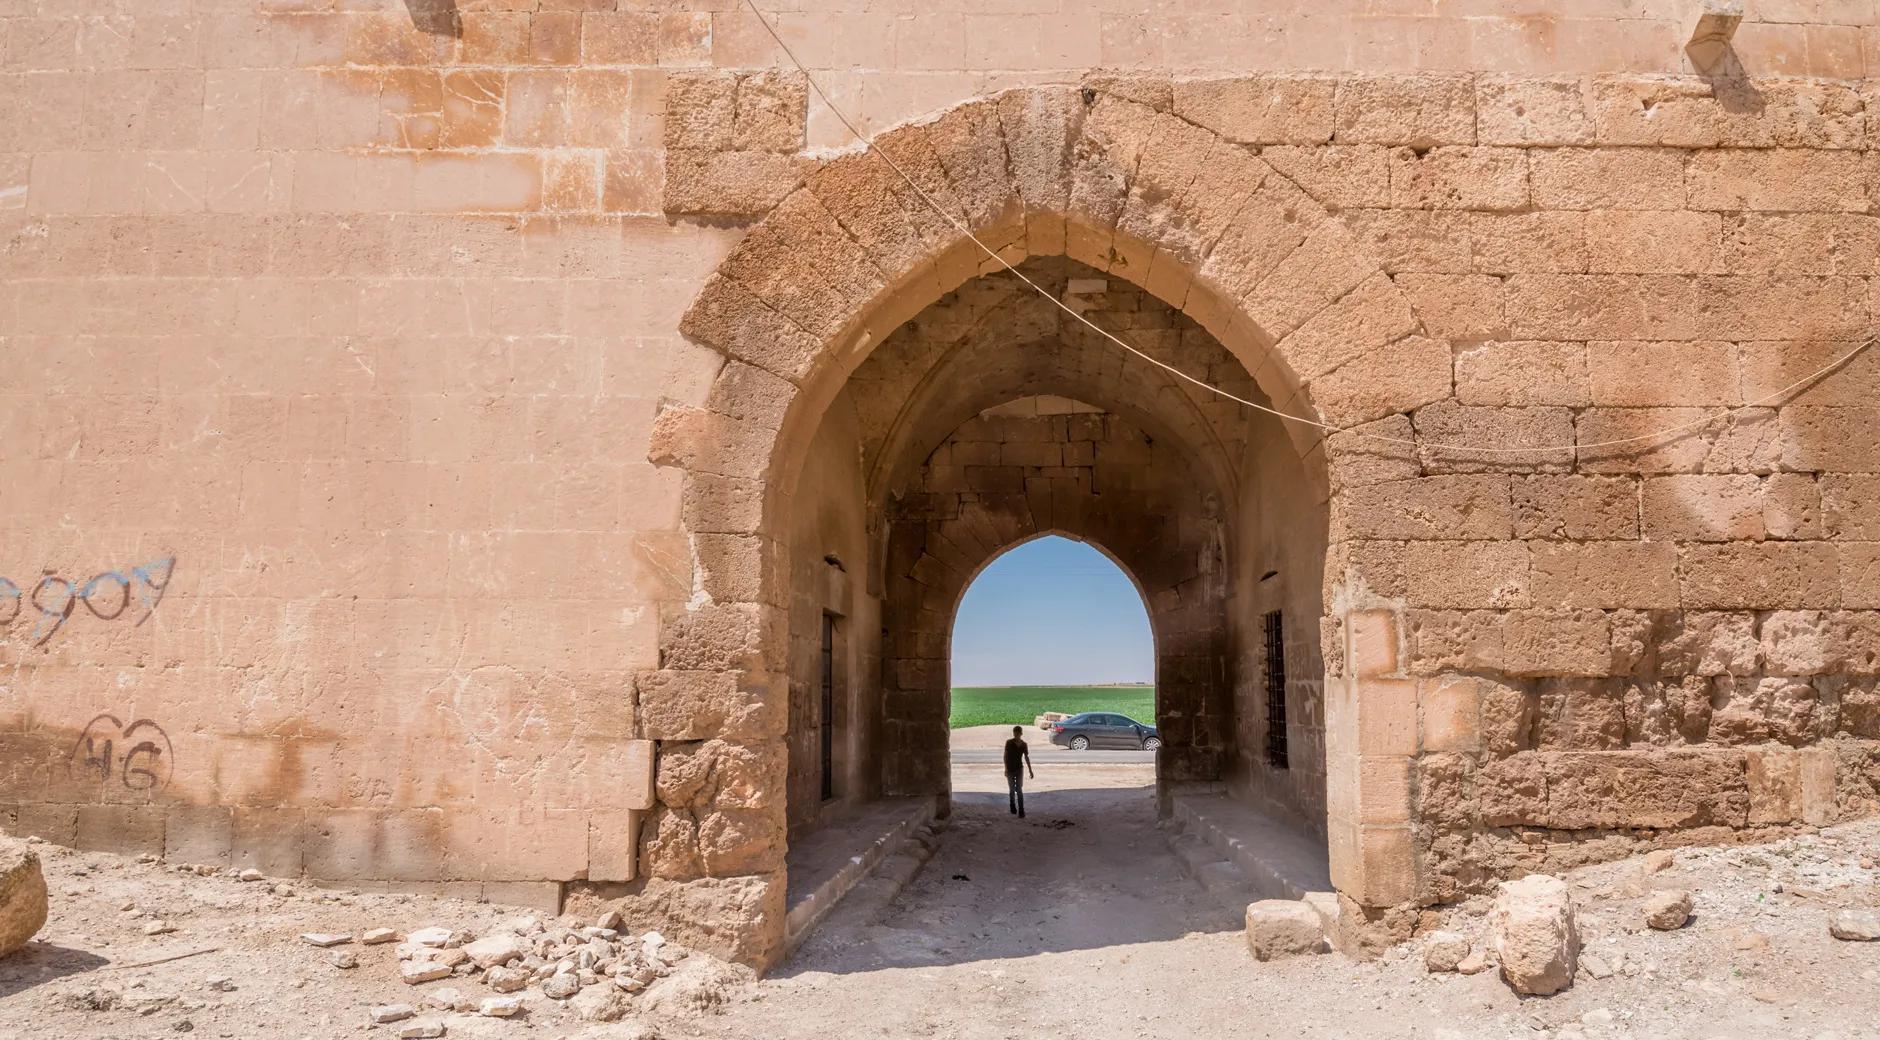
{"x":1052,"y":611}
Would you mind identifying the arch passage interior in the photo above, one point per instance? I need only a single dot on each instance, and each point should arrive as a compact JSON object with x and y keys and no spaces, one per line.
{"x":993,"y":417}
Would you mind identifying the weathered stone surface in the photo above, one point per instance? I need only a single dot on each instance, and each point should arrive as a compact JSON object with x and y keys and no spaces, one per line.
{"x":1443,"y":951}
{"x":495,"y":950}
{"x":1855,"y":925}
{"x":1658,"y":788}
{"x":22,"y":895}
{"x":600,"y":1004}
{"x":1280,"y":928}
{"x":1667,"y":910}
{"x":1535,"y":935}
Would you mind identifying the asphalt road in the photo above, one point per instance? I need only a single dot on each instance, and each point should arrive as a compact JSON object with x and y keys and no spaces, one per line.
{"x":994,"y":756}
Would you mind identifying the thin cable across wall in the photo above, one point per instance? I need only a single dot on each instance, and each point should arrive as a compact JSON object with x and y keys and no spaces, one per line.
{"x":1469,"y":449}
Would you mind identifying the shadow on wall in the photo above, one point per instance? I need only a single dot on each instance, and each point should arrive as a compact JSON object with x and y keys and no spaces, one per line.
{"x":437,"y":17}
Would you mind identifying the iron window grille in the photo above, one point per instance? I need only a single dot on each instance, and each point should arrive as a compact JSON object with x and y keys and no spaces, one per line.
{"x":828,"y":719}
{"x":1275,"y":690}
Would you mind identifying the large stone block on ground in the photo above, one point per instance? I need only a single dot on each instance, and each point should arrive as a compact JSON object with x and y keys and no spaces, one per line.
{"x":22,"y":895}
{"x":1279,"y":928}
{"x":1535,"y":935}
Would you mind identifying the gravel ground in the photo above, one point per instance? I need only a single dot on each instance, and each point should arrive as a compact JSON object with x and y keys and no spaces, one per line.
{"x":1076,"y":921}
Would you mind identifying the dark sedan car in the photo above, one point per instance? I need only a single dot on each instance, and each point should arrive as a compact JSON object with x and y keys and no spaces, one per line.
{"x":1105,"y":730}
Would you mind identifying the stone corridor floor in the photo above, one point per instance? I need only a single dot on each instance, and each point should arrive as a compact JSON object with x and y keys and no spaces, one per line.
{"x":1078,"y":922}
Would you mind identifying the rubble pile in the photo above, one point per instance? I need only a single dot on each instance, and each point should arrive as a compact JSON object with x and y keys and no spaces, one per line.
{"x":593,"y":969}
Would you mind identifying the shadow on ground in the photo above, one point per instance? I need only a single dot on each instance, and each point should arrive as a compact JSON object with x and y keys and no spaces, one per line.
{"x":1086,"y":868}
{"x":38,"y":963}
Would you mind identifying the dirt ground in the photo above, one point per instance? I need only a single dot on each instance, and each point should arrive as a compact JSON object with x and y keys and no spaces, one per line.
{"x":1077,"y":921}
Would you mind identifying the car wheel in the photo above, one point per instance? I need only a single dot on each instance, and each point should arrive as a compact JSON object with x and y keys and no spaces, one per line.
{"x":1080,"y":743}
{"x":1152,"y":743}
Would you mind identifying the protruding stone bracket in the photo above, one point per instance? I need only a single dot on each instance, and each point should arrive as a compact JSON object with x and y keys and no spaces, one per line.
{"x":1710,"y":38}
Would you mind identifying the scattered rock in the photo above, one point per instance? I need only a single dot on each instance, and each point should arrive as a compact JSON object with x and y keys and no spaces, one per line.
{"x":220,"y":984}
{"x":392,"y":1013}
{"x":600,"y":1004}
{"x":1444,"y":951}
{"x":701,"y":986}
{"x":251,"y":874}
{"x":495,"y":950}
{"x":1474,"y":964}
{"x":418,"y":1030}
{"x":1598,"y":1017}
{"x":445,"y":997}
{"x":1279,"y":928}
{"x":562,"y":986}
{"x":438,"y":937}
{"x":500,"y":1007}
{"x":1658,"y":860}
{"x":507,"y":980}
{"x":414,"y":972}
{"x":1855,"y":925}
{"x":325,"y":939}
{"x":1534,"y":934}
{"x":159,"y":927}
{"x":1750,"y":940}
{"x":451,"y":958}
{"x":608,"y":919}
{"x":375,"y":936}
{"x":1667,"y":910}
{"x":342,"y":959}
{"x":1595,"y":966}
{"x":90,"y":1000}
{"x":525,"y":926}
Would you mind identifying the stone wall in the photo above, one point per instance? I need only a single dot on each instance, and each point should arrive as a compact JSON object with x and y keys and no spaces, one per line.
{"x":831,"y":521}
{"x":364,"y":463}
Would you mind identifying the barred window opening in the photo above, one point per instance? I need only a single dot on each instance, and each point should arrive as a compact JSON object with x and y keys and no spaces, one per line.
{"x":1275,"y":691}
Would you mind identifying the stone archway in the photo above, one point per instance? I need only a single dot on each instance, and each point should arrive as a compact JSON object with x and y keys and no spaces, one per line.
{"x":1112,"y":183}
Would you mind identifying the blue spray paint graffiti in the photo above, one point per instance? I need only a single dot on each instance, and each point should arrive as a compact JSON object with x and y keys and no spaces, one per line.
{"x":107,"y":596}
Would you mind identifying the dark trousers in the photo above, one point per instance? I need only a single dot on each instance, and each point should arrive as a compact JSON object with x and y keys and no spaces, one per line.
{"x":1015,"y":785}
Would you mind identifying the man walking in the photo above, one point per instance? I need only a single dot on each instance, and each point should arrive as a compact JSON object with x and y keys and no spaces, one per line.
{"x":1017,"y":754}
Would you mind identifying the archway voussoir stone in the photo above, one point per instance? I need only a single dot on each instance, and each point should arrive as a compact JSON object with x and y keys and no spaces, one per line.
{"x":1230,"y":174}
{"x":1040,"y":125}
{"x":1326,"y":266}
{"x":727,"y":318}
{"x":1171,"y":159}
{"x":751,"y":394}
{"x":1373,"y":314}
{"x":1274,"y":221}
{"x":969,"y":142}
{"x":1399,"y":377}
{"x":881,"y":212}
{"x":802,"y":263}
{"x":1104,"y":157}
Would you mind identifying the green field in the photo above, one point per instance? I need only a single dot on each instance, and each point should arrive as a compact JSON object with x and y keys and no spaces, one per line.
{"x":1018,"y":705}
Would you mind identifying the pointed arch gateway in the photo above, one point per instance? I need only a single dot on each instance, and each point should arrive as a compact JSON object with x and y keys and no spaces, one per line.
{"x":1111,"y":182}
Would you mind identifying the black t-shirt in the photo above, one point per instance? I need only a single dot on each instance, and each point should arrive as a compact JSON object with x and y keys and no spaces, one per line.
{"x":1015,"y":757}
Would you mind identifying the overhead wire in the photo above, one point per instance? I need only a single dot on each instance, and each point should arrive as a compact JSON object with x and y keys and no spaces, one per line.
{"x":1173,"y":370}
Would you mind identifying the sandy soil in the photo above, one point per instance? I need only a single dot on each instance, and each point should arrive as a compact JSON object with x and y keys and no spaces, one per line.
{"x":1076,"y":921}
